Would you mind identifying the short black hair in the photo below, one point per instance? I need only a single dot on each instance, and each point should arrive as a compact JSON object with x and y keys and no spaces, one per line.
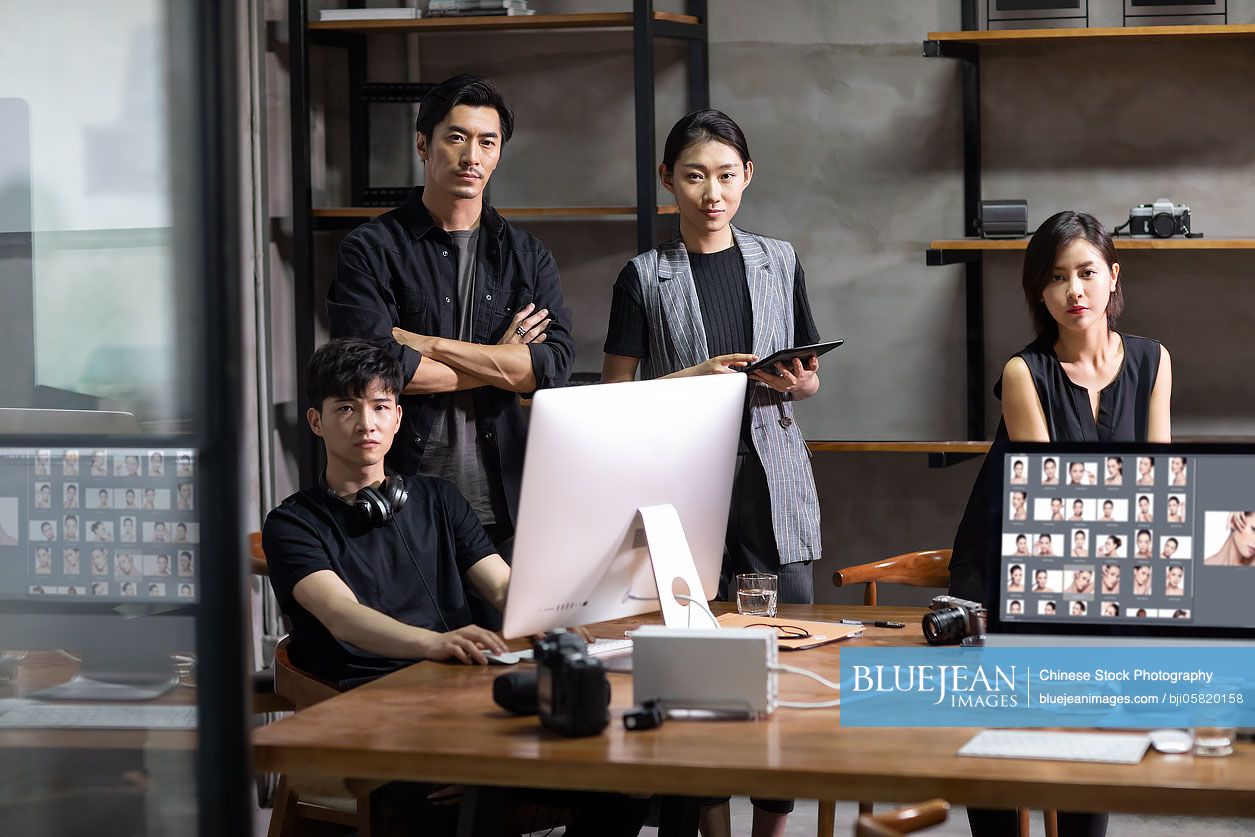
{"x":700,"y":126}
{"x":346,"y":367}
{"x":463,"y":89}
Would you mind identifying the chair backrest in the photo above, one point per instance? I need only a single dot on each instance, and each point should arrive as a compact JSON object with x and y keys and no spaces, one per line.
{"x":903,"y":820}
{"x":928,"y":568}
{"x":256,"y":555}
{"x":297,"y":685}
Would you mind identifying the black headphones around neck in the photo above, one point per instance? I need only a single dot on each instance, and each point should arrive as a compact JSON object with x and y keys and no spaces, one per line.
{"x":375,"y":505}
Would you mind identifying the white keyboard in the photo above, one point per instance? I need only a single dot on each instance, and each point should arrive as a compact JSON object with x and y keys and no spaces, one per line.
{"x":596,"y":648}
{"x":609,"y":647}
{"x":1116,"y":748}
{"x":38,"y":714}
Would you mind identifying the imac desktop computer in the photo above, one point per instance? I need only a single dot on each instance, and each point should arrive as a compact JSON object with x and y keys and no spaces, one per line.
{"x":100,"y":558}
{"x":624,"y":507}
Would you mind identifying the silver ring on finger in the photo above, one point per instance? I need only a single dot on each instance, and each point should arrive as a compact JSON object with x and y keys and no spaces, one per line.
{"x":520,"y":331}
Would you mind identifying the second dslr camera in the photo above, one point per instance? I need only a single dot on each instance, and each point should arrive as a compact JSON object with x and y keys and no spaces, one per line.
{"x":1161,"y":219}
{"x":952,"y":620}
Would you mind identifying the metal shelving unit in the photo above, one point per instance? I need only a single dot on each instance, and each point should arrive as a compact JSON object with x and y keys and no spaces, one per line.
{"x":966,"y":46}
{"x":645,"y":25}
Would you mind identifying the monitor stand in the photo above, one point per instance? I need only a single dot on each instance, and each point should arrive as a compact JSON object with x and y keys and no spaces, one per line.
{"x":675,"y":574}
{"x":124,"y":676}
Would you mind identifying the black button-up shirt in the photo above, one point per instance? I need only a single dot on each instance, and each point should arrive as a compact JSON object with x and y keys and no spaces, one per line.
{"x":401,"y":270}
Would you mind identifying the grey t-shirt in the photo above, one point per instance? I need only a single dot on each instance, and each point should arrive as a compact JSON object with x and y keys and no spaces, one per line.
{"x":453,"y":452}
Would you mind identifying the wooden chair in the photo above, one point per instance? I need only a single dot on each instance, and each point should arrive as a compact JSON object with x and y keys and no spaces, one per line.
{"x":296,"y":806}
{"x":930,"y":568}
{"x":927,"y":568}
{"x":903,"y":820}
{"x":256,"y":557}
{"x":265,"y":699}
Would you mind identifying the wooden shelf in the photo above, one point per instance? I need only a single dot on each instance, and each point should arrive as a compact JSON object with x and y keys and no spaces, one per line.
{"x":1121,"y":244}
{"x":365,"y":213}
{"x":1029,"y":36}
{"x":497,"y":23}
{"x":972,"y":448}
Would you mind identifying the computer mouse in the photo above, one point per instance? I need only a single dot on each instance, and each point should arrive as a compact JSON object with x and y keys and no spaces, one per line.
{"x":1171,"y":740}
{"x":507,"y":658}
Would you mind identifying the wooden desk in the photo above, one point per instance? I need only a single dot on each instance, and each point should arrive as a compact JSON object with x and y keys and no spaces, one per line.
{"x":434,"y":722}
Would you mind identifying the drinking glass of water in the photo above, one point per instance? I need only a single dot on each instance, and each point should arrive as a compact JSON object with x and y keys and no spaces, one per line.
{"x":1213,"y":740}
{"x":756,"y":594}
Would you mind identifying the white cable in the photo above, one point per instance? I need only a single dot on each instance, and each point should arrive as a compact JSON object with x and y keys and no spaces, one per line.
{"x":704,"y":607}
{"x":794,"y":704}
{"x":836,"y":687}
{"x":714,"y":621}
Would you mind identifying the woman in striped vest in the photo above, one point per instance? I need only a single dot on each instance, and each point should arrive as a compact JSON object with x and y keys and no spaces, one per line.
{"x":709,"y":301}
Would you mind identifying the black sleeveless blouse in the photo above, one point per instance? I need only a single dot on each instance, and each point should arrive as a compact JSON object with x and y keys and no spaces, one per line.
{"x":1123,"y":416}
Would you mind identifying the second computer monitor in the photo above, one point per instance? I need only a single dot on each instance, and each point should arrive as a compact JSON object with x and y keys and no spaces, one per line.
{"x":595,"y":456}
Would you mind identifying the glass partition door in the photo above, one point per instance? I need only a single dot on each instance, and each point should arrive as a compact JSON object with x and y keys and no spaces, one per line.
{"x":122,"y":689}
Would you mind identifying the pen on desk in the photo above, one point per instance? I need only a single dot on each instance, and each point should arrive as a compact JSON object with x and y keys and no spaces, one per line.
{"x":875,"y":623}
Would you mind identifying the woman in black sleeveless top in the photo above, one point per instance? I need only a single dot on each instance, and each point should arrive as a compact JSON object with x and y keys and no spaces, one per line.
{"x":1079,"y":381}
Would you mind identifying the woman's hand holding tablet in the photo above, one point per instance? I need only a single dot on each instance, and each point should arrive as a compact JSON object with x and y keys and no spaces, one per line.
{"x":786,"y":356}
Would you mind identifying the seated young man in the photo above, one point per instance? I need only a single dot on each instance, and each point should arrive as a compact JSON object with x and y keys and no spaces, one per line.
{"x":365,"y":599}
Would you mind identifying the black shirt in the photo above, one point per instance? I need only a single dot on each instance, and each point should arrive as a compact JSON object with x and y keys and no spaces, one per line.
{"x":313,"y":530}
{"x":723,"y":297}
{"x":1123,"y":416}
{"x":401,"y":269}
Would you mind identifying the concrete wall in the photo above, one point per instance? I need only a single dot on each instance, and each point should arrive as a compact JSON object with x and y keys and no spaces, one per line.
{"x":856,"y":140}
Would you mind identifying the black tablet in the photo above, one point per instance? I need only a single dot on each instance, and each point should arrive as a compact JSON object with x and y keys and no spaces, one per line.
{"x":786,"y":356}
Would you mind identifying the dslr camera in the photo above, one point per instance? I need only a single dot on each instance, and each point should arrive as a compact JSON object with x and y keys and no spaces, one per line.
{"x":572,"y":691}
{"x":952,"y":620}
{"x":1161,"y":219}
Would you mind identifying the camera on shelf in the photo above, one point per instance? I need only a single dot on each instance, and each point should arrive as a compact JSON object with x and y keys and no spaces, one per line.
{"x":1161,"y":219}
{"x":572,"y":691}
{"x":952,"y":620}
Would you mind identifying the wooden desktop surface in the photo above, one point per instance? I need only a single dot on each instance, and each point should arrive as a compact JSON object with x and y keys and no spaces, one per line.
{"x":436,"y":722}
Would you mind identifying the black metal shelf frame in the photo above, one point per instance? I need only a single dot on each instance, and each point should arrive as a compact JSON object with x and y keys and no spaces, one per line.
{"x":973,"y":265}
{"x":645,"y":30}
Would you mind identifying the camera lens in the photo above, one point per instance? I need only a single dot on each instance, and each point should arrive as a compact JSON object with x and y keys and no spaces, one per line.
{"x":945,"y":627}
{"x":1163,"y":225}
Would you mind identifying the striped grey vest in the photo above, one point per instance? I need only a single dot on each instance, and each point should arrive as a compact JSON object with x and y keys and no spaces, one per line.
{"x":677,"y":340}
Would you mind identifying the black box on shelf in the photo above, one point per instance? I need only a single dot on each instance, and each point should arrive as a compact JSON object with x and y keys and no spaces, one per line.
{"x":1002,"y":218}
{"x":1036,"y":14}
{"x":1174,"y":12}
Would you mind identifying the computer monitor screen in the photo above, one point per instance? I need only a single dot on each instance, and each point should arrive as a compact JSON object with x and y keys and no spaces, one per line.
{"x":112,"y":525}
{"x":597,"y":454}
{"x":1133,"y":540}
